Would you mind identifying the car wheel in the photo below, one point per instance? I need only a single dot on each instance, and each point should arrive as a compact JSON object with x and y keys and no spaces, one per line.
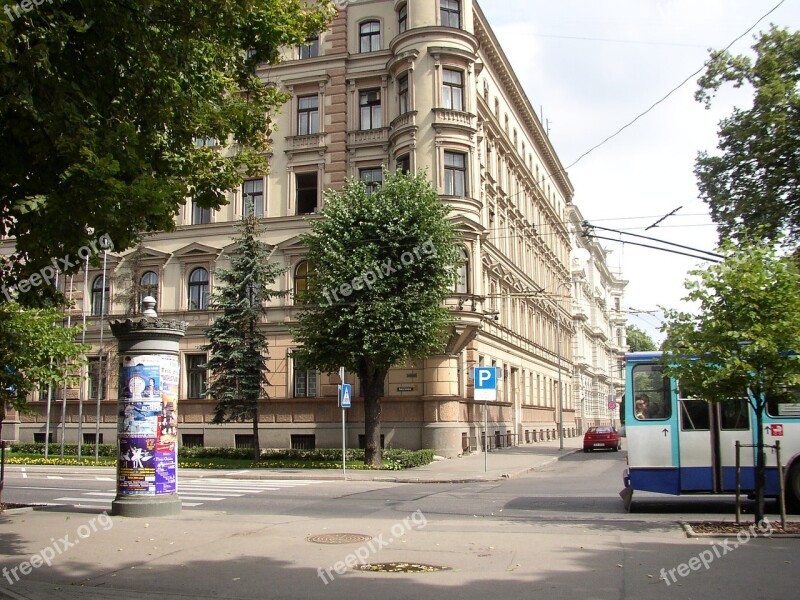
{"x":586,"y":449}
{"x":793,"y":489}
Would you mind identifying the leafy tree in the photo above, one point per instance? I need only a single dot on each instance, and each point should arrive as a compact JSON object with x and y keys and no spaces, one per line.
{"x":237,"y":343}
{"x":383,"y":264}
{"x":753,"y":182}
{"x":33,"y":353}
{"x":639,"y":340}
{"x":102,"y":103}
{"x":735,"y":346}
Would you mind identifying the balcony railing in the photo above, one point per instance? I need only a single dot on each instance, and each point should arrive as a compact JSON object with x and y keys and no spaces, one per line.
{"x":368,"y":137}
{"x":457,"y":118}
{"x":295,"y":143}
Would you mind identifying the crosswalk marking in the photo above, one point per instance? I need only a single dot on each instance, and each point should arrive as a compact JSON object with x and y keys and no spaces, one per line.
{"x":198,"y":491}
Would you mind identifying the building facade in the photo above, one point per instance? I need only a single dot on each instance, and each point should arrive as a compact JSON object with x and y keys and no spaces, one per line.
{"x":415,"y":84}
{"x":599,"y":343}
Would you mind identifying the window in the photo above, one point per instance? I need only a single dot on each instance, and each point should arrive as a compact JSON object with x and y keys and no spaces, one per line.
{"x":306,"y":192}
{"x":300,"y":280}
{"x":455,"y":174}
{"x":370,"y":36}
{"x":651,"y":393}
{"x":305,"y":382}
{"x":244,"y":440}
{"x":200,"y":215}
{"x":450,"y":13}
{"x":402,"y":18}
{"x":205,"y":142}
{"x":372,"y":178}
{"x":307,"y":115}
{"x":148,"y":286}
{"x":369,"y":102}
{"x":100,"y":296}
{"x":89,"y":438}
{"x":38,"y":437}
{"x":198,"y":290}
{"x":784,"y":403}
{"x":462,"y":272}
{"x":303,"y":441}
{"x":453,"y":89}
{"x":93,"y":380}
{"x":192,"y":440}
{"x":310,"y":49}
{"x":734,"y":414}
{"x":404,"y":163}
{"x":402,"y":94}
{"x":253,"y":198}
{"x":195,"y":375}
{"x":695,"y":415}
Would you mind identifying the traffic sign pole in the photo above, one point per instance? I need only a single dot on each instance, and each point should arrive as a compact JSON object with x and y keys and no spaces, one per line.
{"x":485,"y":379}
{"x":344,"y":430}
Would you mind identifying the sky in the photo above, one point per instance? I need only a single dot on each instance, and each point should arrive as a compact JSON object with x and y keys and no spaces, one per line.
{"x":590,"y":68}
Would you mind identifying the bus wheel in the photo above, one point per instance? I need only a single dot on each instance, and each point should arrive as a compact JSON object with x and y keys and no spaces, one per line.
{"x":793,"y":489}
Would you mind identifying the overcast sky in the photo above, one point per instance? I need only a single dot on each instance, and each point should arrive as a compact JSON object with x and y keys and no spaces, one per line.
{"x":594,"y":66}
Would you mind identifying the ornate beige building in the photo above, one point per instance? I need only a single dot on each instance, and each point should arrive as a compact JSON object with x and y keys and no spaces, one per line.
{"x":600,"y":341}
{"x":412,"y":84}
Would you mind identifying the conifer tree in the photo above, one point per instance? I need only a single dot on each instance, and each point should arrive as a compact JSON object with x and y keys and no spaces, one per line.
{"x":237,"y":342}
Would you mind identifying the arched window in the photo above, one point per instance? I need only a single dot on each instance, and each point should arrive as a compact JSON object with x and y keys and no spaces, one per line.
{"x":198,"y":289}
{"x":300,"y":281}
{"x":462,"y":272}
{"x":100,"y":296}
{"x":148,"y":286}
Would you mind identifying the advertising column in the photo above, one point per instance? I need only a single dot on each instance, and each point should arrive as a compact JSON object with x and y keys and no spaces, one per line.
{"x":147,"y":418}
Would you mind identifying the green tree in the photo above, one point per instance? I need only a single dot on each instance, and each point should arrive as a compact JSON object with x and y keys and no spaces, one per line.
{"x":383,"y":263}
{"x":105,"y":105}
{"x":639,"y":340}
{"x":237,"y":343}
{"x":34,"y":353}
{"x":735,"y":346}
{"x":752,"y":184}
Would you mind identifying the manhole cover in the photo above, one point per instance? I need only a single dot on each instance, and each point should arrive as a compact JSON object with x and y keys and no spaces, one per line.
{"x":401,"y":567}
{"x":339,"y":538}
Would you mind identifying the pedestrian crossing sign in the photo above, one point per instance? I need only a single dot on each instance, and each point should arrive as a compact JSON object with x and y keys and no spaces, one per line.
{"x":345,"y":393}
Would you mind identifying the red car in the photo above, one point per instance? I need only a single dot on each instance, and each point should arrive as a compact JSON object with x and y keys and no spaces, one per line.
{"x":604,"y":436}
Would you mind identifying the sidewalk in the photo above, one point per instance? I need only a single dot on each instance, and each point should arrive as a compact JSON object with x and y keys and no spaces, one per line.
{"x":505,"y":463}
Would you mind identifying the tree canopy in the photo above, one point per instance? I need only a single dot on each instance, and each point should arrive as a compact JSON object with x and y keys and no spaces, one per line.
{"x":740,"y":341}
{"x":381,"y":263}
{"x":752,"y":183}
{"x":105,"y":107}
{"x":639,"y":340}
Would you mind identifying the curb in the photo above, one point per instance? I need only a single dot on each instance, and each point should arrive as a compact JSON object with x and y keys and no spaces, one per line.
{"x":691,"y":533}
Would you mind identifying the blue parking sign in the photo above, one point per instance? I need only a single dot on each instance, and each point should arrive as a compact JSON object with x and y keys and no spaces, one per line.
{"x":485,"y":383}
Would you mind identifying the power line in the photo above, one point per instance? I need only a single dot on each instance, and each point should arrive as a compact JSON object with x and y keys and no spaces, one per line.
{"x":588,"y":226}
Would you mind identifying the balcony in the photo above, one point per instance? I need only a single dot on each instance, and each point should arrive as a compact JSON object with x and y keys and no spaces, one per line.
{"x":304,"y":143}
{"x":454,"y":119}
{"x":368,"y":137}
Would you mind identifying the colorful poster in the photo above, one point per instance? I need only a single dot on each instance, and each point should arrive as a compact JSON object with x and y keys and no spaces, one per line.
{"x":148,"y":424}
{"x":136,"y":473}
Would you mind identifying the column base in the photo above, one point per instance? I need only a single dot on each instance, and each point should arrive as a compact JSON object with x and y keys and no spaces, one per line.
{"x":159,"y":506}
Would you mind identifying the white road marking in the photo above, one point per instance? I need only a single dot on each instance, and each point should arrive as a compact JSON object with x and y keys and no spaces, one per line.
{"x":55,"y":477}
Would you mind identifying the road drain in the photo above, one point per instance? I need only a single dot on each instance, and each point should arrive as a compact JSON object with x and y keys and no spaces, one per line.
{"x":401,"y":567}
{"x":339,"y":538}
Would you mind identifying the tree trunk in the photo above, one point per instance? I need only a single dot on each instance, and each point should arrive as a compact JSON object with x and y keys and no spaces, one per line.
{"x":761,"y":460}
{"x":372,"y":384}
{"x":2,"y":418}
{"x":256,"y":443}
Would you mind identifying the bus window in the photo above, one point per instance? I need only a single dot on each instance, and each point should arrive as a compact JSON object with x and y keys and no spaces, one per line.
{"x":651,"y":393}
{"x":734,"y":414}
{"x":786,"y":404}
{"x":695,"y":415}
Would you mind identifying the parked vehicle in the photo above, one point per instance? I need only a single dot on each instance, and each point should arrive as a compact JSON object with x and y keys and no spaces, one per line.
{"x":603,"y":436}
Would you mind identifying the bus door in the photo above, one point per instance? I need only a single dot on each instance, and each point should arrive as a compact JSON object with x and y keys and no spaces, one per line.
{"x":732,"y":423}
{"x":697,"y":447}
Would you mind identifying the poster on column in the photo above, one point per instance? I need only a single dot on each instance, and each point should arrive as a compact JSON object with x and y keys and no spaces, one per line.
{"x":167,"y":437}
{"x":147,"y":427}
